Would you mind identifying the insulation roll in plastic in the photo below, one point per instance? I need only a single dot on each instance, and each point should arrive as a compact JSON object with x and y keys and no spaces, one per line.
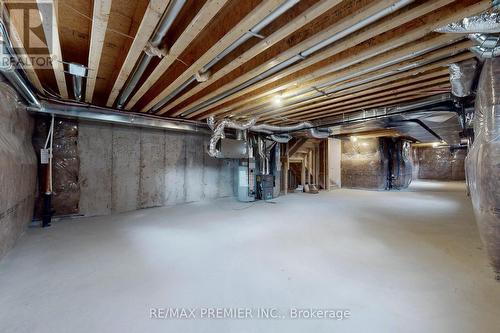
{"x":462,"y":76}
{"x":483,"y":160}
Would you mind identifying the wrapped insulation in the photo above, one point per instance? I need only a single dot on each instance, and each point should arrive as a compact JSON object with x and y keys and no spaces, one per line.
{"x":487,"y":46}
{"x":462,"y":77}
{"x":488,"y":22}
{"x":483,"y":160}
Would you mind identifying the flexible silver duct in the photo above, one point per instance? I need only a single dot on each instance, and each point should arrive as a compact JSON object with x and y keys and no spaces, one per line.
{"x":315,"y":133}
{"x":151,"y":51}
{"x":254,"y":32}
{"x":302,"y":55}
{"x":11,"y":69}
{"x":462,"y":77}
{"x":488,"y":22}
{"x":218,"y":132}
{"x":488,"y":46}
{"x":281,"y":138}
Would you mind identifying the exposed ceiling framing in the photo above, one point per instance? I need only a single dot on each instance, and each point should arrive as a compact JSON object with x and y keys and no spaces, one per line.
{"x":371,"y":60}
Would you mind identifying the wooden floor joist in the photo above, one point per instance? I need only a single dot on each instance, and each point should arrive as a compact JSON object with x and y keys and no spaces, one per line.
{"x":100,"y":20}
{"x":364,"y":96}
{"x":369,"y":62}
{"x":246,"y":24}
{"x":447,"y":51}
{"x":357,"y":62}
{"x":18,"y":43}
{"x":317,"y":38}
{"x":400,"y":85}
{"x":380,"y":77}
{"x":300,"y":21}
{"x":151,"y":18}
{"x":51,"y":30}
{"x":199,"y":22}
{"x":431,"y":21}
{"x":431,"y":60}
{"x":385,"y":101}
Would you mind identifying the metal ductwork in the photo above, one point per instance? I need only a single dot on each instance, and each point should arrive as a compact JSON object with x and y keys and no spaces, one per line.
{"x":10,"y":68}
{"x":281,"y":138}
{"x":202,"y":74}
{"x":272,"y":129}
{"x":218,"y":133}
{"x":278,"y":133}
{"x":462,"y":76}
{"x":488,"y":22}
{"x":488,"y":46}
{"x":78,"y":72}
{"x":107,"y":115}
{"x":302,"y":55}
{"x":479,"y":27}
{"x":325,"y":88}
{"x":151,"y":50}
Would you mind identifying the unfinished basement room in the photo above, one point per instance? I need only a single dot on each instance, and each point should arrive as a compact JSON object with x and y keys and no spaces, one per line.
{"x":249,"y":166}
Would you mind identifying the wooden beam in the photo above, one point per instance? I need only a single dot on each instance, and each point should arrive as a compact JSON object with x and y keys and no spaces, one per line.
{"x":51,"y":31}
{"x":371,"y":80}
{"x":449,"y":15}
{"x":18,"y":43}
{"x":197,"y":24}
{"x":345,"y":76}
{"x":362,"y":96}
{"x":294,"y":25}
{"x":336,"y":28}
{"x":385,"y":101}
{"x":100,"y":20}
{"x":151,"y":18}
{"x":296,"y":146}
{"x":261,"y":11}
{"x":378,"y":55}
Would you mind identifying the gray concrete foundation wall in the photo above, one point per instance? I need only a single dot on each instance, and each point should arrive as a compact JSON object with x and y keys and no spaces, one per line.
{"x":17,"y":169}
{"x":127,"y":168}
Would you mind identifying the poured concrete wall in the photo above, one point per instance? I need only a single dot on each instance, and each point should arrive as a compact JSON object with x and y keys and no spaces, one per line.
{"x":127,"y":168}
{"x":17,"y":169}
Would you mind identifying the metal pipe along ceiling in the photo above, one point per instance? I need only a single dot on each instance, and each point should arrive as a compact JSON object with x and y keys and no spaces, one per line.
{"x":11,"y":69}
{"x":320,"y":91}
{"x":171,"y":13}
{"x":302,"y":55}
{"x":254,"y":32}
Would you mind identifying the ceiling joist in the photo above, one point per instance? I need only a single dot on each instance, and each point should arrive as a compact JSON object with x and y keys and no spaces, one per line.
{"x":100,"y":20}
{"x":151,"y":18}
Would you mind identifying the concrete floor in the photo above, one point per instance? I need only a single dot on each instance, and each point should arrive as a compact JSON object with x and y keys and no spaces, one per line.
{"x":398,"y":261}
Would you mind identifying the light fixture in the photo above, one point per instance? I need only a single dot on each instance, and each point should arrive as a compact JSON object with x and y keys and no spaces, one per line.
{"x":354,"y":139}
{"x":277,"y":100}
{"x":435,"y":144}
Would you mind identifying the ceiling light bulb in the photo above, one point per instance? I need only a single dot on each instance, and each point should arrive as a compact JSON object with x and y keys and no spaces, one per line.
{"x":354,"y":139}
{"x":277,"y":100}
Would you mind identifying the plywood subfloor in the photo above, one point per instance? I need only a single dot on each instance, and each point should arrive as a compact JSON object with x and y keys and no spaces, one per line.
{"x":401,"y":261}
